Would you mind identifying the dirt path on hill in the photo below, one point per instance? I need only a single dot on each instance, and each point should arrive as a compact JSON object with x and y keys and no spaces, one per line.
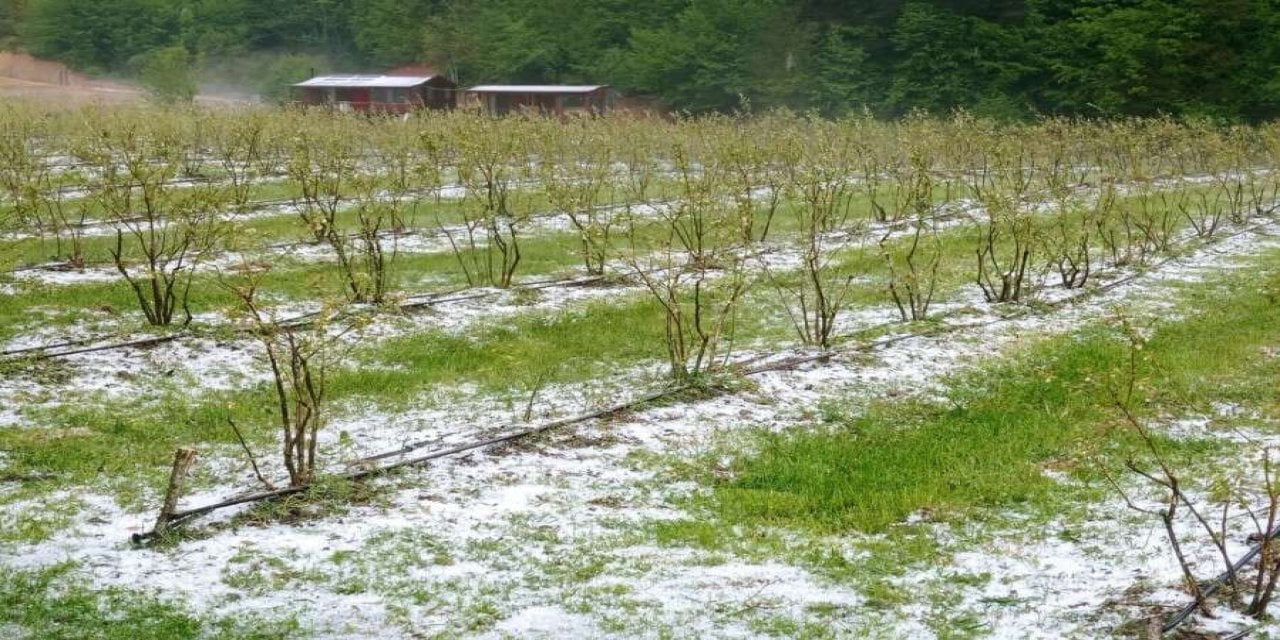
{"x":27,"y":77}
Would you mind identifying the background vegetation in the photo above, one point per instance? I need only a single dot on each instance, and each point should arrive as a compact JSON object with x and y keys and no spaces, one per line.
{"x":1002,"y":58}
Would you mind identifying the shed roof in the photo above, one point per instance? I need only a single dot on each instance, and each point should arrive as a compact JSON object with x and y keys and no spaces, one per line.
{"x":537,"y":88}
{"x":359,"y":81}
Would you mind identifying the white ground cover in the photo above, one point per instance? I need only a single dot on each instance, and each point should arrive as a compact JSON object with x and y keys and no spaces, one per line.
{"x":444,"y":239}
{"x":549,"y":538}
{"x":194,"y":366}
{"x":57,"y":275}
{"x":950,"y":215}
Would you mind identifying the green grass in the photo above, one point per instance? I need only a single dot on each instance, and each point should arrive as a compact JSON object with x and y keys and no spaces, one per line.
{"x":130,"y":450}
{"x":834,"y":497}
{"x":290,"y":280}
{"x":126,"y":438}
{"x":871,"y":563}
{"x":424,"y":214}
{"x":989,"y":446}
{"x":36,"y":521}
{"x":594,"y":341}
{"x":52,"y":604}
{"x":542,"y":255}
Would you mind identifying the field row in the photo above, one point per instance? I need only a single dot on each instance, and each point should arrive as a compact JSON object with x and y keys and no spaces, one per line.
{"x":479,"y":525}
{"x":845,"y":363}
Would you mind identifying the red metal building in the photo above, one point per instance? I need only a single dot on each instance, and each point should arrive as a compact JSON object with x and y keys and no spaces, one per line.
{"x":382,"y":94}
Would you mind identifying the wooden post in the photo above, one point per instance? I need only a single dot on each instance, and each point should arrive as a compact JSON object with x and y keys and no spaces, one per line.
{"x":182,"y":460}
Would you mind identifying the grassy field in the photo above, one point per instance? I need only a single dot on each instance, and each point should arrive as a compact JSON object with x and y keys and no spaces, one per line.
{"x":876,"y":379}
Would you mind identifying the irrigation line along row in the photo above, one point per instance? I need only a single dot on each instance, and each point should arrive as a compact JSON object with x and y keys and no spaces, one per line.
{"x":77,"y":347}
{"x":259,"y":205}
{"x":411,"y":303}
{"x":255,"y":205}
{"x":248,"y":207}
{"x":185,"y":516}
{"x":1212,"y":586}
{"x":443,"y":231}
{"x":182,"y":517}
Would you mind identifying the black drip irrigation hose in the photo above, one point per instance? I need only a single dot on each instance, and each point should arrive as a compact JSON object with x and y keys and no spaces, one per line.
{"x":409,"y":304}
{"x":42,"y":352}
{"x":256,"y":205}
{"x":1217,"y":583}
{"x":78,"y":347}
{"x":259,"y":205}
{"x":183,"y":517}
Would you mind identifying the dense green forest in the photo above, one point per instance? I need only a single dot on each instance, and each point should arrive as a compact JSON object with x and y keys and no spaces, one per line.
{"x":1004,"y":58}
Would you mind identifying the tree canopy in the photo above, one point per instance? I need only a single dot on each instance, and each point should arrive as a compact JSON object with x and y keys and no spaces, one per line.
{"x":1003,"y":58}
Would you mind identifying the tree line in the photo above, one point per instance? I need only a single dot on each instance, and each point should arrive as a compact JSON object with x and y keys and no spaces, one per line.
{"x":1001,"y":58}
